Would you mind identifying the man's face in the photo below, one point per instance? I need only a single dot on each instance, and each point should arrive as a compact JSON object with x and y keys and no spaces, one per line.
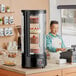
{"x":54,"y":28}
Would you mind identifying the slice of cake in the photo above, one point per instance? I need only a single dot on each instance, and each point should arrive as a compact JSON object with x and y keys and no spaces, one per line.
{"x":34,"y":39}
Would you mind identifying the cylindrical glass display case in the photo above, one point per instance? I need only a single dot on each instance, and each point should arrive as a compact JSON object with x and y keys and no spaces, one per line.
{"x":33,"y":38}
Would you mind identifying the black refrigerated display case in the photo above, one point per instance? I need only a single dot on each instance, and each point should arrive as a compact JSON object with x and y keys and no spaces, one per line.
{"x":33,"y":38}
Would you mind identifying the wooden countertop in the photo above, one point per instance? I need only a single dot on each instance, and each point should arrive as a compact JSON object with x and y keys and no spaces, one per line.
{"x":21,"y":70}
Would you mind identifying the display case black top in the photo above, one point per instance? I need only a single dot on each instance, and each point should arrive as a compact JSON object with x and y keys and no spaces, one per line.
{"x":34,"y":12}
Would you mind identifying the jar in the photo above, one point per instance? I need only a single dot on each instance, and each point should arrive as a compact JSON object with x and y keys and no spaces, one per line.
{"x":2,"y":7}
{"x":11,"y":20}
{"x":5,"y":19}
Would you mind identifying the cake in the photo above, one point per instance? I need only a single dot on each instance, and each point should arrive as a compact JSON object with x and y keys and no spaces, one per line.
{"x":35,"y":30}
{"x":34,"y":39}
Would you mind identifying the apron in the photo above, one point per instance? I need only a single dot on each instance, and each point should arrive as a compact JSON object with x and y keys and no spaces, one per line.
{"x":55,"y":56}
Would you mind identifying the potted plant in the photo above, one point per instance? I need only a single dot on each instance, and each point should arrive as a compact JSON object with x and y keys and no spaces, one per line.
{"x":7,"y":9}
{"x":0,"y":20}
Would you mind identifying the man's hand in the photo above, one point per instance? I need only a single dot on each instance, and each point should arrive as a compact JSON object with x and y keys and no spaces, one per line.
{"x":60,"y":49}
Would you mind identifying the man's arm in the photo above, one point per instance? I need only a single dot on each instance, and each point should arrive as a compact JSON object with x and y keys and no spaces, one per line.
{"x":62,"y":45}
{"x":49,"y":44}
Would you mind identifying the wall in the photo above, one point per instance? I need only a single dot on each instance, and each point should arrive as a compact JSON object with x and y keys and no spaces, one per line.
{"x":17,"y":6}
{"x":4,"y":40}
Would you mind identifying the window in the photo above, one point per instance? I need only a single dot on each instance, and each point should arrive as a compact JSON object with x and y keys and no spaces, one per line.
{"x":68,"y":19}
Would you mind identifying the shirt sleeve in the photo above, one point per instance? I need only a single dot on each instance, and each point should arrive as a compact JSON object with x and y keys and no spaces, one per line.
{"x":49,"y":44}
{"x":62,"y":45}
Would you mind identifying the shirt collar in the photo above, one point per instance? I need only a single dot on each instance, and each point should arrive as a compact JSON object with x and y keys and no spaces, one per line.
{"x":52,"y":34}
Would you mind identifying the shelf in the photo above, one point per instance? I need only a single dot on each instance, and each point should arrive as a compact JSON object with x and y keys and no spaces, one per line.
{"x":18,"y":26}
{"x":34,"y":43}
{"x":6,"y":24}
{"x":6,"y":12}
{"x":35,"y":50}
{"x":34,"y":33}
{"x":36,"y":46}
{"x":35,"y":24}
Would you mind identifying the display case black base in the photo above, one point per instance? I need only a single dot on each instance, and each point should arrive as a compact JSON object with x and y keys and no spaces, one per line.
{"x":34,"y":61}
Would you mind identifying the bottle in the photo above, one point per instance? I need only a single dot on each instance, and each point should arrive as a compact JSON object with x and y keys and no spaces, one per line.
{"x":2,"y":8}
{"x":5,"y":19}
{"x":1,"y":21}
{"x":7,"y":9}
{"x":11,"y":20}
{"x":6,"y":31}
{"x":1,"y":32}
{"x":9,"y":47}
{"x":15,"y":46}
{"x":10,"y":31}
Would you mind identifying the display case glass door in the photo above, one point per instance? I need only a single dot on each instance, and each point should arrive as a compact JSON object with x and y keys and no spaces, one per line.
{"x":37,"y":33}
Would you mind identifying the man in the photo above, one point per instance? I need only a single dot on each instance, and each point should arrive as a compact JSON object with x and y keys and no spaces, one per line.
{"x":54,"y":42}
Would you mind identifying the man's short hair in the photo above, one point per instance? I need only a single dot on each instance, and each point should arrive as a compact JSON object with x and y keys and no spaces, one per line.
{"x":53,"y":22}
